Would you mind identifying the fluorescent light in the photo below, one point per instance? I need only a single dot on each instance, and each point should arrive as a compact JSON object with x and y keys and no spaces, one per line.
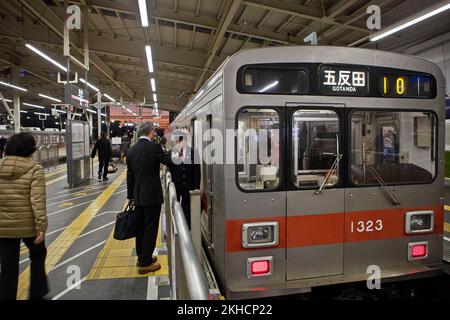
{"x":90,"y":85}
{"x":143,"y":12}
{"x":59,"y":111}
{"x":33,"y":105}
{"x":23,"y":111}
{"x":7,"y":100}
{"x":153,"y":82}
{"x":46,"y":57}
{"x":155,"y":97}
{"x":91,"y":111}
{"x":48,"y":97}
{"x":423,"y":15}
{"x":41,"y":114}
{"x":148,"y":51}
{"x":273,"y":84}
{"x":13,"y":86}
{"x":107,"y":96}
{"x":103,"y":115}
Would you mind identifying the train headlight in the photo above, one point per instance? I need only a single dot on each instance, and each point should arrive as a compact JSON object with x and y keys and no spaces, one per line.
{"x":419,"y":221}
{"x":260,"y":234}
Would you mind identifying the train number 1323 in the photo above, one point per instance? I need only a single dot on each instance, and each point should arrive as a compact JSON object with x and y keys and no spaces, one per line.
{"x":366,"y":226}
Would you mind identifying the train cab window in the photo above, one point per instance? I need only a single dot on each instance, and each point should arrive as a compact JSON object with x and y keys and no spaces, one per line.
{"x":273,"y":79}
{"x":315,"y":148}
{"x":258,"y":144}
{"x":392,"y":147}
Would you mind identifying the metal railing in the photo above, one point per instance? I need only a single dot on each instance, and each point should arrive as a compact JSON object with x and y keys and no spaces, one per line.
{"x":186,"y":274}
{"x":47,"y":155}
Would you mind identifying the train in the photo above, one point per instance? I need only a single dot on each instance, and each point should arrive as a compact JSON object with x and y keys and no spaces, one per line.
{"x":331,"y":166}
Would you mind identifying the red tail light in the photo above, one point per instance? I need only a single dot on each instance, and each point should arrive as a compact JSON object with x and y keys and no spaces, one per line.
{"x":259,"y":266}
{"x":417,"y":250}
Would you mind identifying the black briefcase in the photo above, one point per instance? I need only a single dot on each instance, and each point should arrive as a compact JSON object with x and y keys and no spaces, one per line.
{"x":126,"y":221}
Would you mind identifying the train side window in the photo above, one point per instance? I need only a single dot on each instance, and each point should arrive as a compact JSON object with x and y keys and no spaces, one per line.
{"x":315,"y":148}
{"x":258,"y":149}
{"x":397,"y":146}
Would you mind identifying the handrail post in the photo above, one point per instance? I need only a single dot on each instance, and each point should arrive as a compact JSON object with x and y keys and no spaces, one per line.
{"x":196,"y":222}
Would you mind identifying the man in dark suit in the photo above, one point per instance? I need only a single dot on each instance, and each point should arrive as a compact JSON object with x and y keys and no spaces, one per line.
{"x":144,"y":189}
{"x":104,"y":148}
{"x":186,"y":176}
{"x":3,"y":142}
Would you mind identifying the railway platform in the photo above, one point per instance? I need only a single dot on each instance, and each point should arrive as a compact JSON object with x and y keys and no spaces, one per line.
{"x":84,"y":261}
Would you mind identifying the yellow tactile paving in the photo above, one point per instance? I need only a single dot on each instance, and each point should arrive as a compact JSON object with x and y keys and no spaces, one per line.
{"x":65,"y":240}
{"x":116,"y":260}
{"x":447,"y":208}
{"x":447,"y":227}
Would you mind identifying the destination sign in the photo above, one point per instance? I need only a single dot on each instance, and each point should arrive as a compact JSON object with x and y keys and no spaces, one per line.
{"x":343,"y":80}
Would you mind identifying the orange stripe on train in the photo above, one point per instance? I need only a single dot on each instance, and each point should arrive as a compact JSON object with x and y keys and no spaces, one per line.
{"x":321,"y":229}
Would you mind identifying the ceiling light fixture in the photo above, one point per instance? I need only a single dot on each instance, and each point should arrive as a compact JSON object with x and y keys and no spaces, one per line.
{"x":49,"y":98}
{"x":109,"y":97}
{"x":148,"y":51}
{"x":46,"y":57}
{"x":403,"y":24}
{"x":33,"y":105}
{"x":90,"y":85}
{"x":143,"y":12}
{"x":13,"y":86}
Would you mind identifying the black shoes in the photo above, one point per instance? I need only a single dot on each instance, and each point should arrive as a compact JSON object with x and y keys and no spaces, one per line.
{"x":154,"y":259}
{"x":105,"y":179}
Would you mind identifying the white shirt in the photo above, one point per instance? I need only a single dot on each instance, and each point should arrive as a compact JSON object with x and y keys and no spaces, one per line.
{"x":145,"y":137}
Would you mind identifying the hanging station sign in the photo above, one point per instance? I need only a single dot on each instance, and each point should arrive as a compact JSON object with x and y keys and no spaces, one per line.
{"x":76,"y":96}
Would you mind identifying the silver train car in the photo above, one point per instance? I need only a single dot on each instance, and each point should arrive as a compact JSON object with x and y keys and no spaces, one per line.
{"x":351,"y":177}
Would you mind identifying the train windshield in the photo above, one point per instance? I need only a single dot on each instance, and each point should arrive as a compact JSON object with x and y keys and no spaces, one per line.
{"x":315,"y":146}
{"x":258,"y":154}
{"x":398,"y":146}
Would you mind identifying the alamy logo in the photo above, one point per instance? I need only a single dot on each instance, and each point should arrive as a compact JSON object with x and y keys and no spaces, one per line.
{"x":374,"y":20}
{"x":374,"y":280}
{"x":74,"y":279}
{"x":74,"y":19}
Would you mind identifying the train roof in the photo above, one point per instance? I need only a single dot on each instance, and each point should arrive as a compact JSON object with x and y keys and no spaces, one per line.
{"x":318,"y":54}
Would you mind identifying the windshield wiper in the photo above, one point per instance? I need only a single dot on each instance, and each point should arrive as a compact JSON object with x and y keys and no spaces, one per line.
{"x":334,"y":167}
{"x":378,"y":177}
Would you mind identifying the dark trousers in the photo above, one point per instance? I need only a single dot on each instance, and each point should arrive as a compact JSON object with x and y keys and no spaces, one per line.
{"x":9,"y":278}
{"x":185,"y":199}
{"x":146,"y":232}
{"x":103,"y":168}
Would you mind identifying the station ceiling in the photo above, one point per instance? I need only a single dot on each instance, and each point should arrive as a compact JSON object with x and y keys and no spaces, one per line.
{"x":189,"y":39}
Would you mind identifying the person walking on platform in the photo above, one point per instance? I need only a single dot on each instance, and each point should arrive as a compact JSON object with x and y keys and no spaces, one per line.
{"x":186,"y":176}
{"x":144,"y":190}
{"x":23,"y":216}
{"x":2,"y":146}
{"x":104,"y":148}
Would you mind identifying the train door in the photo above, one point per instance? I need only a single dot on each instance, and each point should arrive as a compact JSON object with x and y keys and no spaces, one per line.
{"x":315,"y":198}
{"x":209,"y":187}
